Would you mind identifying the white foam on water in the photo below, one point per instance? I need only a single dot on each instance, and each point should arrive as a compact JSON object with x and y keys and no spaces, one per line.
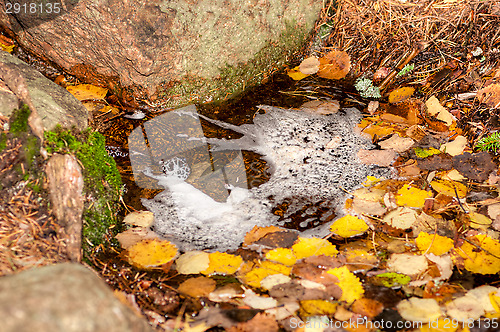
{"x":304,"y":173}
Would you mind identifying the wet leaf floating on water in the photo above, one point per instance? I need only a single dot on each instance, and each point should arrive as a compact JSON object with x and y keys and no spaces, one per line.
{"x":149,"y":254}
{"x":334,"y":65}
{"x":87,"y":92}
{"x":309,"y":66}
{"x":296,"y":74}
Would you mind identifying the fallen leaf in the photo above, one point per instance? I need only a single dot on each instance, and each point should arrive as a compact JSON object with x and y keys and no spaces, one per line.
{"x":408,"y":264}
{"x":317,"y":307}
{"x":478,"y":220}
{"x":436,"y":109}
{"x":334,"y":65}
{"x":424,"y":153}
{"x":490,"y":95}
{"x":323,"y":107}
{"x":252,"y":275}
{"x":412,"y":197}
{"x":348,"y":226}
{"x":261,"y":322}
{"x":367,"y":307}
{"x":455,"y":147}
{"x":258,"y":233}
{"x":396,"y":143}
{"x":305,"y":247}
{"x":151,"y":253}
{"x":309,"y":66}
{"x":282,"y":255}
{"x":433,"y":243}
{"x":226,"y":293}
{"x":419,"y":310}
{"x":87,"y":91}
{"x":295,"y":74}
{"x":436,"y":162}
{"x":139,"y":218}
{"x":494,"y":210}
{"x":222,"y":263}
{"x":402,"y":218}
{"x":480,"y":254}
{"x":197,"y":287}
{"x":352,"y":288}
{"x":476,"y":166}
{"x":449,"y":188}
{"x":258,"y":302}
{"x":134,"y":235}
{"x":274,"y":280}
{"x":464,"y":308}
{"x":400,"y":94}
{"x":377,"y":157}
{"x":192,"y":262}
{"x":393,"y":279}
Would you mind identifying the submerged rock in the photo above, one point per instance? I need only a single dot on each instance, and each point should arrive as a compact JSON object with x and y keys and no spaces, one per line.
{"x":308,"y":181}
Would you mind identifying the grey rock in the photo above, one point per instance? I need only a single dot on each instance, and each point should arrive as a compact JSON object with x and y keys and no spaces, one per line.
{"x":171,"y":49}
{"x":66,"y":298}
{"x":53,"y":103}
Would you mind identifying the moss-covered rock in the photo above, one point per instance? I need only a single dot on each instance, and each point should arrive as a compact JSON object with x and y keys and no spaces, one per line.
{"x":103,"y":183}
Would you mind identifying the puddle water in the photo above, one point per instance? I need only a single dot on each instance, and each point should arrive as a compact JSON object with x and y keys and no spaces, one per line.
{"x":209,"y":181}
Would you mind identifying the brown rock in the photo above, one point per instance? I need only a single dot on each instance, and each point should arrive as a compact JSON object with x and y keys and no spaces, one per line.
{"x":63,"y":298}
{"x":65,"y":186}
{"x":186,"y":49}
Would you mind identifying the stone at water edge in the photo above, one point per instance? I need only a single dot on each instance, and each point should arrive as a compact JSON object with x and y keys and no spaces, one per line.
{"x":183,"y":49}
{"x":63,"y":298}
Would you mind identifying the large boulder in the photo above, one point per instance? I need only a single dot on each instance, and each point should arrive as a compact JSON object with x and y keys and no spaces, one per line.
{"x":22,"y":84}
{"x":170,"y":51}
{"x":66,"y":298}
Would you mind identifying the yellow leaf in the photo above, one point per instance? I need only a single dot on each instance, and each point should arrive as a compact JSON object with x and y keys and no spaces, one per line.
{"x":7,"y":48}
{"x":305,"y":247}
{"x":412,"y":197}
{"x":348,"y":226}
{"x":197,"y":287}
{"x":222,"y":263}
{"x":482,"y":256}
{"x":317,"y":308}
{"x":192,"y":262}
{"x":87,"y":91}
{"x":478,"y":220}
{"x":260,"y":271}
{"x":282,"y":255}
{"x":447,"y":187}
{"x":400,"y":94}
{"x":352,"y":289}
{"x":151,"y":253}
{"x":433,"y":243}
{"x":296,"y":74}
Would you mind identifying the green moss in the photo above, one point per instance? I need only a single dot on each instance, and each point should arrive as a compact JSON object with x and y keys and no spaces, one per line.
{"x":235,"y":79}
{"x":3,"y":141}
{"x":19,"y":121}
{"x":103,"y":184}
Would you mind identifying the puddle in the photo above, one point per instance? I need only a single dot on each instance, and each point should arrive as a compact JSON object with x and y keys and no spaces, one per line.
{"x":208,"y":181}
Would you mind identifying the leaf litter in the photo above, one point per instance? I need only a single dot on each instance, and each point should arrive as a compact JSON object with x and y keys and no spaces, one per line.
{"x":403,"y":240}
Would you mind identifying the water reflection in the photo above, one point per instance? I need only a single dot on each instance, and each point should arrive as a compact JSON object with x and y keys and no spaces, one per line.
{"x":174,"y":144}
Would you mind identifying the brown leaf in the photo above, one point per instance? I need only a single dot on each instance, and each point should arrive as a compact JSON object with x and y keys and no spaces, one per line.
{"x":377,"y":157}
{"x":476,"y":166}
{"x":490,"y":95}
{"x":436,"y":162}
{"x":197,"y":287}
{"x":261,"y":322}
{"x":334,"y":65}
